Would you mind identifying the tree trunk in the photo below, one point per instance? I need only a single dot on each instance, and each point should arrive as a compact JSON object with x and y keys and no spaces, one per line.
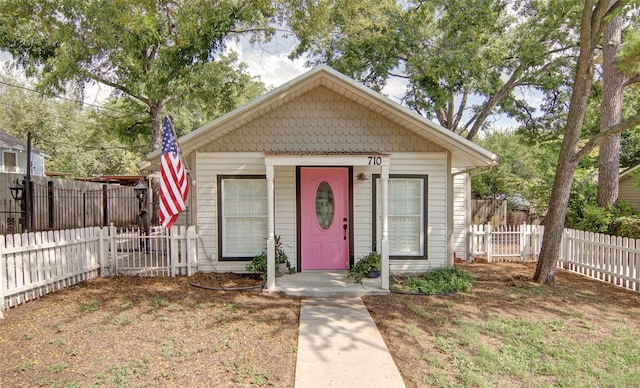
{"x":567,"y":162}
{"x":556,"y":215}
{"x":610,"y":114}
{"x":155,"y":111}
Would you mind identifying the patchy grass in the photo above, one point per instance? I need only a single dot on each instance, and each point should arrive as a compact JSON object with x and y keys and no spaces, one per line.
{"x":508,"y":331}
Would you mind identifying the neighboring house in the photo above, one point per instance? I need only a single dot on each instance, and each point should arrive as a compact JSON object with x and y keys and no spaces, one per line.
{"x":629,"y":187}
{"x":337,"y":170}
{"x":14,"y":156}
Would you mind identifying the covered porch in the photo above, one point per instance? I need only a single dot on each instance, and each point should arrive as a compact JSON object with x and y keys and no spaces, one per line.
{"x":377,"y":160}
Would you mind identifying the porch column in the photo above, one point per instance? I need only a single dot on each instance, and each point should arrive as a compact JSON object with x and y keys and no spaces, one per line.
{"x":384,"y":244}
{"x":271,"y":244}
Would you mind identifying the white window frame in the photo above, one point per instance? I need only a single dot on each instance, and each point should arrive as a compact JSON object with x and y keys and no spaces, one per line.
{"x":422,"y":252}
{"x":6,"y":168}
{"x":254,"y":246}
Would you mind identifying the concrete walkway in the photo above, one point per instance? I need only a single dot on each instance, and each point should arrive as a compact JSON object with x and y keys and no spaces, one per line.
{"x":339,"y":346}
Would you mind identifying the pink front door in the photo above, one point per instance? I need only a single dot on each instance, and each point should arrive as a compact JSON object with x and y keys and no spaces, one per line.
{"x":324,"y":212}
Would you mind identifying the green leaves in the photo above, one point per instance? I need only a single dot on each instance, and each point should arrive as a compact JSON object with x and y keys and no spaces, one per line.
{"x":154,"y":52}
{"x":462,"y":60}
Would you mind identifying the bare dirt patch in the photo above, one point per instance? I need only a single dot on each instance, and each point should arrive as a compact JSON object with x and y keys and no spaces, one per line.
{"x":152,"y":332}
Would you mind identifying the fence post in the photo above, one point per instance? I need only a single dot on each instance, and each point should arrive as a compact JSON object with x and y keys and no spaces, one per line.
{"x":471,"y":242}
{"x":173,"y":249}
{"x":565,"y":244}
{"x":51,"y":199}
{"x":113,"y":251}
{"x":191,"y":251}
{"x":3,"y":275}
{"x":103,"y":252}
{"x":105,"y":206}
{"x":524,"y":246}
{"x":487,"y":242}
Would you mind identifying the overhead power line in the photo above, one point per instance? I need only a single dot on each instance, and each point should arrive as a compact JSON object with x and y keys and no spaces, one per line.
{"x":70,"y":99}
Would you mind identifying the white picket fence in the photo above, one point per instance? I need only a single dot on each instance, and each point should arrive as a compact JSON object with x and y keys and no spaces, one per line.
{"x":35,"y":264}
{"x":612,"y":259}
{"x":505,"y":242}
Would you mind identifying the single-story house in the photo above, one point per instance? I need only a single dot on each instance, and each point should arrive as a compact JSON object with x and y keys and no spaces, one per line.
{"x":629,"y":187}
{"x":14,"y":156}
{"x":337,"y":171}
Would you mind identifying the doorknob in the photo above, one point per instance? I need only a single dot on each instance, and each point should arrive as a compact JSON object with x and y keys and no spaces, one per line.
{"x":344,"y":226}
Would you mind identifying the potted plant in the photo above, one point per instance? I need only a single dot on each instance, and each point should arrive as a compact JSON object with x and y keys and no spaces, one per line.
{"x":367,"y":266}
{"x":282,"y":260}
{"x":259,"y":262}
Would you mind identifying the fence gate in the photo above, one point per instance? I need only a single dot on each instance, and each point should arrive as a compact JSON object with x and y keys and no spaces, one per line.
{"x":505,"y":242}
{"x":161,"y":252}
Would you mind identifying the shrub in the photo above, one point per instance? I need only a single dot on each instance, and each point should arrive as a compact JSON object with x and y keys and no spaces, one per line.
{"x":440,"y":281}
{"x":626,"y":227}
{"x":595,"y":219}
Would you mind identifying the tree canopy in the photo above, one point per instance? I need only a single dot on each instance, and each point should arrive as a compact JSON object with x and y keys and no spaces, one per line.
{"x":154,"y":53}
{"x":463,"y":61}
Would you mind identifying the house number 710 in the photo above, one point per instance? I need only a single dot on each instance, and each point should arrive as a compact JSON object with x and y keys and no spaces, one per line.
{"x":375,"y":160}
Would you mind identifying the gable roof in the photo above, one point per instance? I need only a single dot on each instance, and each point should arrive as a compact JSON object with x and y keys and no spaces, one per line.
{"x":624,"y":174}
{"x":12,"y":142}
{"x":465,"y":154}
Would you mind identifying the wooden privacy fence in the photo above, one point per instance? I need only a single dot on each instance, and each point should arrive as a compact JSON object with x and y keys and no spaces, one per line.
{"x":37,"y":263}
{"x":491,"y":211}
{"x":612,"y":259}
{"x":67,"y":204}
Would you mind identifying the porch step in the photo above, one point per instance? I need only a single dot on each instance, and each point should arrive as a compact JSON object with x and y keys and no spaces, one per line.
{"x":335,"y":284}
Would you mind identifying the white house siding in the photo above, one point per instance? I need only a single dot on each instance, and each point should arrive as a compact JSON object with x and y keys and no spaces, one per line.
{"x":629,"y":192}
{"x":322,"y":121}
{"x":435,"y":167}
{"x":460,"y":214}
{"x":285,"y":209}
{"x":209,"y":166}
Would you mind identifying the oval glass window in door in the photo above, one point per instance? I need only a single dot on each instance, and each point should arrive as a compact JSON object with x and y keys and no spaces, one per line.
{"x":324,"y":205}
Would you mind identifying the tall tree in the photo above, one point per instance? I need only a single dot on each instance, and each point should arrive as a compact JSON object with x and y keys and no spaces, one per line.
{"x":153,"y":52}
{"x":593,"y":20}
{"x":463,"y":61}
{"x":613,"y":81}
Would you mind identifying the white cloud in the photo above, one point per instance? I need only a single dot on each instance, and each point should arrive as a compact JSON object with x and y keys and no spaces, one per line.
{"x":269,"y":60}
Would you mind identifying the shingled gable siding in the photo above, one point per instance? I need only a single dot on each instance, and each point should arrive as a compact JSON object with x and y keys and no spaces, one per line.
{"x":321,"y":120}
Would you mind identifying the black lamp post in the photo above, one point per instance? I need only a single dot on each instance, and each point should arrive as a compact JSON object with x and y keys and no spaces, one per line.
{"x":17,"y":190}
{"x":18,"y":193}
{"x":143,"y":218}
{"x":141,"y":193}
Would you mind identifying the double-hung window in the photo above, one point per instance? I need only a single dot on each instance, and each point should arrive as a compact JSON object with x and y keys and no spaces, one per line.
{"x":242,"y":216}
{"x":406,"y":214}
{"x":10,"y":161}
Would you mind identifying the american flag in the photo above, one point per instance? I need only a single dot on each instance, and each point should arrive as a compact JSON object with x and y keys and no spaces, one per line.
{"x":174,"y":185}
